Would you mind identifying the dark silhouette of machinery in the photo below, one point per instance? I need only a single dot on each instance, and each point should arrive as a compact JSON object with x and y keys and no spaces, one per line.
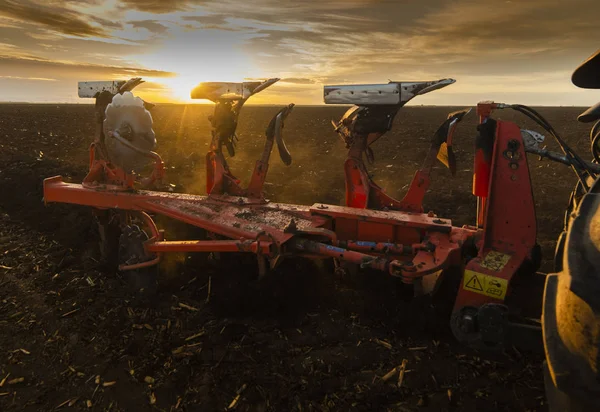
{"x":571,"y":312}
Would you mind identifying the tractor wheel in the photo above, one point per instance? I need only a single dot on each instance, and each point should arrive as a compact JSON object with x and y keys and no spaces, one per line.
{"x":595,"y":141}
{"x":131,"y":251}
{"x":559,"y":252}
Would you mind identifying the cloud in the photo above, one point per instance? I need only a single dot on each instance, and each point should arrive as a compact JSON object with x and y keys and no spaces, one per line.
{"x":105,"y":22}
{"x":306,"y":43}
{"x":158,"y":6}
{"x":298,"y":80}
{"x":152,"y":87}
{"x":469,"y":27}
{"x":151,"y":25}
{"x":43,"y":79}
{"x":210,"y":19}
{"x":52,"y":16}
{"x":33,"y":41}
{"x":29,"y":66}
{"x":334,"y":16}
{"x":373,"y":42}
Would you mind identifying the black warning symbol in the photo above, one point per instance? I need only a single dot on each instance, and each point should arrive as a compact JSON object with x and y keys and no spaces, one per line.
{"x":474,"y":284}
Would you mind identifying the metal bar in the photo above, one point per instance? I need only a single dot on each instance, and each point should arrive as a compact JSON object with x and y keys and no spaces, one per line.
{"x":377,"y":247}
{"x":407,"y":220}
{"x":209,"y":246}
{"x":141,"y":265}
{"x":55,"y":190}
{"x":151,"y":225}
{"x":364,"y":260}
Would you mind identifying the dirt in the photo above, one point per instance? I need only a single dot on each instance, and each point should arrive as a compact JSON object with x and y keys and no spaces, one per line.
{"x":72,"y":337}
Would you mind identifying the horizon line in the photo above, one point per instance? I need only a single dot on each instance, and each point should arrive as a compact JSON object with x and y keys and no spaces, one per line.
{"x":268,"y":104}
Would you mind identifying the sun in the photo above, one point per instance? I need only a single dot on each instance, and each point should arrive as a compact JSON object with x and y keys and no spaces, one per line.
{"x":179,"y":88}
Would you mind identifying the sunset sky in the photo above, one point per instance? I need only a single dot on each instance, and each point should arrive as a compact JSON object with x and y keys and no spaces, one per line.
{"x":512,"y":51}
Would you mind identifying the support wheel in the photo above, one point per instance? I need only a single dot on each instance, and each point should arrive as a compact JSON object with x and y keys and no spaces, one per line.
{"x":131,"y":252}
{"x":483,"y":328}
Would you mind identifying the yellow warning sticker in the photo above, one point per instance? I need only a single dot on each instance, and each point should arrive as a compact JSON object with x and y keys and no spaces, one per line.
{"x":495,"y":260}
{"x":484,"y":284}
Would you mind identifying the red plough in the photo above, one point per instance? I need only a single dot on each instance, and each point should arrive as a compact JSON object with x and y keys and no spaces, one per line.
{"x":372,"y":230}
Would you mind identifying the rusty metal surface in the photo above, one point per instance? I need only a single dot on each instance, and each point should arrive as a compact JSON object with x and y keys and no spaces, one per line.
{"x":55,"y":190}
{"x":362,"y":94}
{"x":215,"y":91}
{"x":495,"y":260}
{"x":218,"y":90}
{"x":435,"y":246}
{"x":223,"y":215}
{"x":392,"y":93}
{"x":92,"y":89}
{"x":249,"y":218}
{"x":418,"y":220}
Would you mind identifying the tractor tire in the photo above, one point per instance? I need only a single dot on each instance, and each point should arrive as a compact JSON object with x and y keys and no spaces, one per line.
{"x":595,"y":141}
{"x":131,"y":251}
{"x":559,"y":253}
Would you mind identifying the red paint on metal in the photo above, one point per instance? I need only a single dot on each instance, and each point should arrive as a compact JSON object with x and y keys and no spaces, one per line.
{"x":141,"y":265}
{"x":219,"y":179}
{"x":409,"y":220}
{"x":509,"y":220}
{"x":209,"y":246}
{"x":413,"y":200}
{"x":218,"y":214}
{"x":257,"y":180}
{"x":357,"y":184}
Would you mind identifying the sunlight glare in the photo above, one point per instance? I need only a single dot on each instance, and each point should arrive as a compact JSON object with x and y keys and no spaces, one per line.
{"x":200,"y":56}
{"x":179,"y":88}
